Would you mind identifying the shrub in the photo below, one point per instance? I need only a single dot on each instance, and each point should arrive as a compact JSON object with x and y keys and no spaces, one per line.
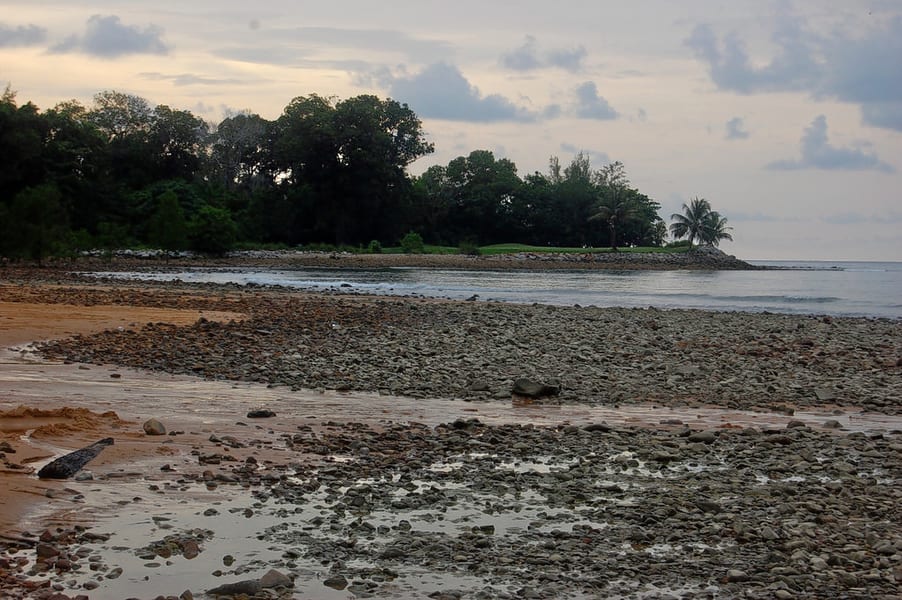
{"x":212,"y":230}
{"x":412,"y":243}
{"x":469,"y":248}
{"x":375,"y":247}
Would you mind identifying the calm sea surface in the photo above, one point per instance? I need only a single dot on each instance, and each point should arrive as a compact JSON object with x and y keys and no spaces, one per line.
{"x":866,"y":289}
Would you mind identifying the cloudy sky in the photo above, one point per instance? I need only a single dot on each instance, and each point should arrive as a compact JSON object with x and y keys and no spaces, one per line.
{"x":786,"y":116}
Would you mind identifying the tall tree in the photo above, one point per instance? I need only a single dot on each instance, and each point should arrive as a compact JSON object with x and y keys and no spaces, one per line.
{"x":616,"y":206}
{"x":239,"y":152}
{"x":176,"y":142}
{"x":691,"y":223}
{"x":715,"y":229}
{"x":352,"y":157}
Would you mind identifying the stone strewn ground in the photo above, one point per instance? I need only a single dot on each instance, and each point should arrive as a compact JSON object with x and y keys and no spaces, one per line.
{"x":466,"y":510}
{"x":428,"y":348}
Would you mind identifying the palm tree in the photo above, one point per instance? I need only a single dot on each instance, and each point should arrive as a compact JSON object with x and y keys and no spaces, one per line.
{"x":616,"y":209}
{"x":715,"y":229}
{"x":691,"y":223}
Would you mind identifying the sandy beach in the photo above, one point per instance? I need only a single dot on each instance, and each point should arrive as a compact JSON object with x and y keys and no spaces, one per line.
{"x":686,"y":452}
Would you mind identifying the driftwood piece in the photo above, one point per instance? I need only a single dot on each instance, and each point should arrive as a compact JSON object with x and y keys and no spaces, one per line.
{"x":70,"y":464}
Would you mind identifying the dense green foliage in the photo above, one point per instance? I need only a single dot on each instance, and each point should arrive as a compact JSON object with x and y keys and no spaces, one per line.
{"x":326,"y":173}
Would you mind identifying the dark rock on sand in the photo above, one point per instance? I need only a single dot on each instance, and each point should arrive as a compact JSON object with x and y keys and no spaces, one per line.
{"x":533,"y":389}
{"x":70,"y":464}
{"x":262,"y":413}
{"x":154,"y":427}
{"x":248,"y":587}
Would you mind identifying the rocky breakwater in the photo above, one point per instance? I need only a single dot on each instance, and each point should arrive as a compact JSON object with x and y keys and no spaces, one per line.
{"x":476,"y":351}
{"x":706,"y":257}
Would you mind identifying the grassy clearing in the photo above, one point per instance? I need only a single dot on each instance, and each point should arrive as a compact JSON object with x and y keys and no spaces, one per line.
{"x":496,"y":249}
{"x":514,"y":248}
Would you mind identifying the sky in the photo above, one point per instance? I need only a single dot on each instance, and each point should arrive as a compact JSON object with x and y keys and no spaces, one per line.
{"x":785,"y":116}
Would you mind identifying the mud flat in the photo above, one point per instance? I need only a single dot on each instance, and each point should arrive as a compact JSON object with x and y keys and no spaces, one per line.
{"x":688,"y":453}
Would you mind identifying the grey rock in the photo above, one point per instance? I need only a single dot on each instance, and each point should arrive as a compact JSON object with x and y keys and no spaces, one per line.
{"x":248,"y":587}
{"x":275,"y":579}
{"x":707,"y":437}
{"x":336,"y":582}
{"x":533,"y":389}
{"x":154,"y":427}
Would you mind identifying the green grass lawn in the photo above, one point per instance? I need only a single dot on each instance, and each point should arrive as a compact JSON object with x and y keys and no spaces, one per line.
{"x":496,"y":249}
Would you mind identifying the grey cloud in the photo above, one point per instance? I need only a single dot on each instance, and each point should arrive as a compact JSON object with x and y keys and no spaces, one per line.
{"x":24,"y":35}
{"x":866,"y":71}
{"x":440,"y":91}
{"x":862,"y":69}
{"x":817,"y":153}
{"x":107,"y":37}
{"x":731,"y":69}
{"x":528,"y":58}
{"x":569,"y":60}
{"x":189,"y":79}
{"x":589,"y":105}
{"x":887,"y":115}
{"x":736,"y":129}
{"x":595,"y":157}
{"x":524,"y":58}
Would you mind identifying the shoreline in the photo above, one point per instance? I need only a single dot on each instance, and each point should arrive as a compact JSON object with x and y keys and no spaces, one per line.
{"x":699,"y":259}
{"x":627,"y":456}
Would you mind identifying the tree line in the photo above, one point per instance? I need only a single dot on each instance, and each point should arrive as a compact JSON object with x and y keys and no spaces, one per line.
{"x":122,"y":173}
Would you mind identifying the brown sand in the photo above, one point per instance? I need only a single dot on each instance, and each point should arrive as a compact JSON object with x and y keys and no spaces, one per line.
{"x":37,"y":434}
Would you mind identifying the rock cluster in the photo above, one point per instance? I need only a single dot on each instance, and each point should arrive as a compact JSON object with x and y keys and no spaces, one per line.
{"x":466,"y":510}
{"x":477,"y":350}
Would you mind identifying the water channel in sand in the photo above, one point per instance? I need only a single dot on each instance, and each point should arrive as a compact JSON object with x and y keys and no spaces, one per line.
{"x":141,"y":395}
{"x":140,"y":505}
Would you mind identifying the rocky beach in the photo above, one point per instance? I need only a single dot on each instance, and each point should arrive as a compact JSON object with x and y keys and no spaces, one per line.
{"x":408,"y":447}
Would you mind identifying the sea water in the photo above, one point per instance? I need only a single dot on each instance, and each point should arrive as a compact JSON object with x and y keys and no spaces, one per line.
{"x":860,"y":289}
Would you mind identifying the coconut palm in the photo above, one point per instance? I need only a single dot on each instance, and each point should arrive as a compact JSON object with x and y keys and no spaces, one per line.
{"x":616,"y":209}
{"x":715,"y":229}
{"x":691,"y":223}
